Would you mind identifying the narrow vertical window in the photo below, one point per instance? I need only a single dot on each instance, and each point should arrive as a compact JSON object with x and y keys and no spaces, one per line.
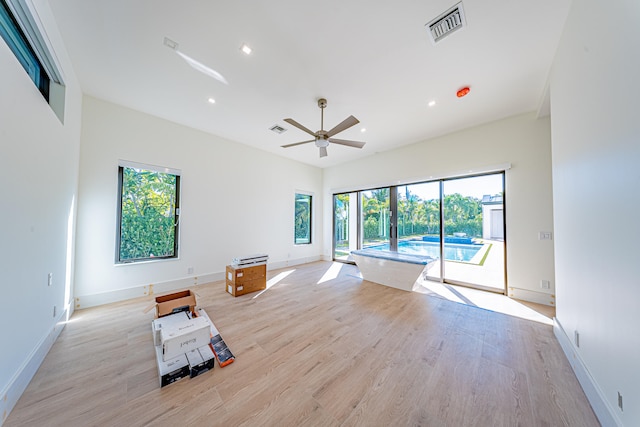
{"x":303,"y":219}
{"x":148,"y":214}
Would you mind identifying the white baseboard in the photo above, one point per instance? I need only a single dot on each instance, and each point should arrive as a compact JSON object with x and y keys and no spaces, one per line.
{"x":293,"y":262}
{"x":606,"y":415}
{"x":92,"y":300}
{"x":22,"y":378}
{"x":532,"y":296}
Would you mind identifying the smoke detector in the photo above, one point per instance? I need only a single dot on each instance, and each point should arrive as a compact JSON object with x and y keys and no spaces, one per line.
{"x":446,"y":23}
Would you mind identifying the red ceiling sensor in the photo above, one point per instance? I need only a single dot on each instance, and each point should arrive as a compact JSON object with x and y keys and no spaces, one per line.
{"x":462,"y":92}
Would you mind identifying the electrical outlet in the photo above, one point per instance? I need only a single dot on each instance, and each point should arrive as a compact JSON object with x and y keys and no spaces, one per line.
{"x":545,"y":284}
{"x":620,"y":401}
{"x":545,"y":235}
{"x":576,"y":338}
{"x":50,"y":279}
{"x":189,"y":270}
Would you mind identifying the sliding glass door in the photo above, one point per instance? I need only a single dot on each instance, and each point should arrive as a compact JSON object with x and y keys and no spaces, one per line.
{"x":473,"y":217}
{"x":375,"y":219}
{"x":418,"y":222}
{"x":458,"y":220}
{"x":345,"y":225}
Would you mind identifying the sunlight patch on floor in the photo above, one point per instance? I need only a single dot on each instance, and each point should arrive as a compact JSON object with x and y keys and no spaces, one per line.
{"x":331,"y":273}
{"x":274,"y":281}
{"x":487,"y":300}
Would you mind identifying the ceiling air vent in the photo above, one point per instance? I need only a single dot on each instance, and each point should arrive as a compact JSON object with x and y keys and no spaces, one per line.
{"x":277,"y":129}
{"x":447,"y":23}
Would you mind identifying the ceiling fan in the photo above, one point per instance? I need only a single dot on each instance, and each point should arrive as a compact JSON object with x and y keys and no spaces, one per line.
{"x":322,"y":138}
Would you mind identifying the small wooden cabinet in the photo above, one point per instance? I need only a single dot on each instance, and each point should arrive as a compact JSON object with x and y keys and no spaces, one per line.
{"x":244,"y":280}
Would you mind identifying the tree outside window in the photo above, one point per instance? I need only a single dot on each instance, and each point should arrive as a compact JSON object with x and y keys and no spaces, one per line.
{"x":303,"y":219}
{"x":148,"y":214}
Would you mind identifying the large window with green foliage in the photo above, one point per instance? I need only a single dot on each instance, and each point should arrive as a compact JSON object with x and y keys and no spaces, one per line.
{"x":148,"y":213}
{"x":303,"y":219}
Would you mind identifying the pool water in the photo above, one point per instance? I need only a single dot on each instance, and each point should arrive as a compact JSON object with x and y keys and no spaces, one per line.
{"x":452,"y":252}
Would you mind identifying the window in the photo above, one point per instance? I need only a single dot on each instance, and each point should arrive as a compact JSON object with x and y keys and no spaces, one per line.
{"x":303,"y":219}
{"x":17,"y":42}
{"x":20,"y":27}
{"x":148,"y":213}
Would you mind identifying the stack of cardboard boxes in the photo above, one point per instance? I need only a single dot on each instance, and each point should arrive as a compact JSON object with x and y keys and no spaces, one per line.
{"x":246,"y":274}
{"x":186,"y":341}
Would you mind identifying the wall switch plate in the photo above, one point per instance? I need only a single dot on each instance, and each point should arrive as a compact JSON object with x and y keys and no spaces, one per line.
{"x":54,"y":311}
{"x":50,"y":279}
{"x":545,"y":235}
{"x":576,"y":338}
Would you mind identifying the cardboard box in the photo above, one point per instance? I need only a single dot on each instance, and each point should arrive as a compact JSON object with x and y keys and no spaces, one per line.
{"x":200,"y":360}
{"x":171,"y":370}
{"x":165,"y":322}
{"x":244,"y":280}
{"x":243,"y":274}
{"x":175,"y":302}
{"x":185,"y":336}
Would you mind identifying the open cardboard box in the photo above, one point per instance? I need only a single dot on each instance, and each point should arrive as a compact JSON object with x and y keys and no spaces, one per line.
{"x":174,"y":303}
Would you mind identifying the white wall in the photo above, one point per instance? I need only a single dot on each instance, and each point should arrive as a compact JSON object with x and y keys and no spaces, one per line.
{"x":39,"y":172}
{"x":596,"y":175}
{"x":235,"y":200}
{"x":523,"y":141}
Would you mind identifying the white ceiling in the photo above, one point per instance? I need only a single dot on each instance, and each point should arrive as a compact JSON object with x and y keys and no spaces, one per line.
{"x":370,"y":59}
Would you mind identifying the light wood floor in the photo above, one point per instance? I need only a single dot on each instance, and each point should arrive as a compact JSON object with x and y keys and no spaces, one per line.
{"x":337,"y":353}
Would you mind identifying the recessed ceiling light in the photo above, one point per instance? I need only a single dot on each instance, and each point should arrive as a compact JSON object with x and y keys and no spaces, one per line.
{"x":246,"y":49}
{"x":211,"y":101}
{"x":363,"y":130}
{"x":431,"y":103}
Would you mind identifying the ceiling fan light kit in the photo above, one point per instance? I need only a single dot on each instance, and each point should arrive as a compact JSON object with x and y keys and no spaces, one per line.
{"x":322,"y":138}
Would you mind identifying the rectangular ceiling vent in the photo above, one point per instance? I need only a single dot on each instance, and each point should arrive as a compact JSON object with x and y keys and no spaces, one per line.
{"x":447,"y":23}
{"x":277,"y":129}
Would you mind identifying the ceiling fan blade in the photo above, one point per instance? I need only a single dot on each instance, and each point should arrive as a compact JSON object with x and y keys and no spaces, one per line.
{"x":299,"y":126}
{"x":356,"y":144}
{"x":323,"y":152}
{"x":346,"y":124}
{"x":297,"y":143}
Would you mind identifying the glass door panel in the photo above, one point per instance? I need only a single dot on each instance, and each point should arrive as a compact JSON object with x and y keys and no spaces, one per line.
{"x":375,"y":218}
{"x":474,"y":231}
{"x":418,"y":222}
{"x":345,"y":225}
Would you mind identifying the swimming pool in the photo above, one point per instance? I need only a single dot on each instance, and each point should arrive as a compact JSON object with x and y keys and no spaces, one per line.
{"x":452,"y":252}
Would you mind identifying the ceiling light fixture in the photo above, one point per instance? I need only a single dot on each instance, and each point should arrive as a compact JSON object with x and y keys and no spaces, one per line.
{"x":246,"y":49}
{"x":463,"y":92}
{"x":363,"y":130}
{"x":211,"y":101}
{"x":431,"y":103}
